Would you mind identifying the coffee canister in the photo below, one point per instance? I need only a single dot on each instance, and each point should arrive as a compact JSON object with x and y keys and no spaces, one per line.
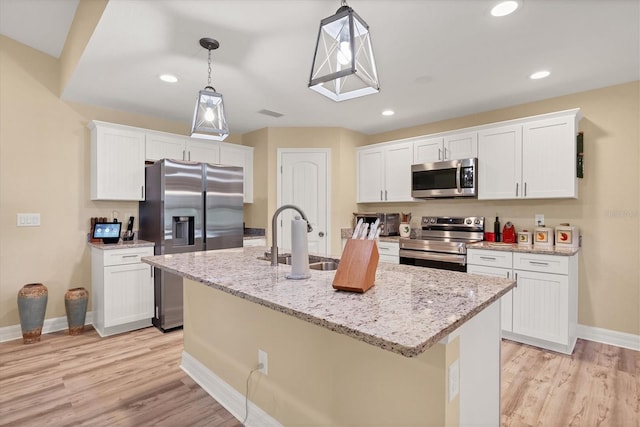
{"x":543,"y":237}
{"x":567,"y":236}
{"x":524,"y":237}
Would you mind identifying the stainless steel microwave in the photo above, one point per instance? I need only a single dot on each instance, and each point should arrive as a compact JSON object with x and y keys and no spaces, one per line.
{"x":453,"y":178}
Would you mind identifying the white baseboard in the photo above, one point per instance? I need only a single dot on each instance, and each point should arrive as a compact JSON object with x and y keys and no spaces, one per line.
{"x":14,"y":332}
{"x":608,"y":336}
{"x":232,"y":400}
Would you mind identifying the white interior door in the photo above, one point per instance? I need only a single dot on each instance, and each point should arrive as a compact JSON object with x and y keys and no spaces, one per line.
{"x":304,"y":181}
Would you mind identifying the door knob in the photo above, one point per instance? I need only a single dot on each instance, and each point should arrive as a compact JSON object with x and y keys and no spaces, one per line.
{"x":321,"y":234}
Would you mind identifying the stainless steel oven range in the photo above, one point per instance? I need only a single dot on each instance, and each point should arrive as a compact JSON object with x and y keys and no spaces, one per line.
{"x":443,"y":242}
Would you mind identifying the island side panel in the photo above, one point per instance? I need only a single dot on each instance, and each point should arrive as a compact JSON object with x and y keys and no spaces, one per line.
{"x":316,"y":376}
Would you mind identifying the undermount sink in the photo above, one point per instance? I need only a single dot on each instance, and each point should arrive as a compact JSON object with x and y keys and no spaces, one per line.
{"x":315,"y":262}
{"x":324,"y":265}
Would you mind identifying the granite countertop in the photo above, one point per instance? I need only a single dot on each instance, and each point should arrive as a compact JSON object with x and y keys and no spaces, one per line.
{"x":531,"y":249}
{"x":407,"y":311}
{"x":121,"y":244}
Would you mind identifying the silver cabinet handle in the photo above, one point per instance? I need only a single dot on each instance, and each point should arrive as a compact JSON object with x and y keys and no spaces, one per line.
{"x":184,"y":155}
{"x":385,"y":195}
{"x":517,"y":184}
{"x":525,"y":189}
{"x":189,"y":156}
{"x":445,"y":153}
{"x":439,"y":153}
{"x":142,"y":192}
{"x":508,"y":273}
{"x":381,"y":195}
{"x":490,"y":258}
{"x":538,"y":263}
{"x":129,"y":256}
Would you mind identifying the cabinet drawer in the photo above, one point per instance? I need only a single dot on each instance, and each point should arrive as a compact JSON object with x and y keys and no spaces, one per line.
{"x":543,"y":263}
{"x":490,"y":258}
{"x":125,"y":256}
{"x":389,"y":248}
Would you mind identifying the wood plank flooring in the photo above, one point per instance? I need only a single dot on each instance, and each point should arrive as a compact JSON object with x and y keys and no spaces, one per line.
{"x":134,"y":379}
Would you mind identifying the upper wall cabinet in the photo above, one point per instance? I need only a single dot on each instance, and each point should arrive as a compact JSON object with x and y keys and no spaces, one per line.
{"x":384,"y":173}
{"x":240,"y":155}
{"x":117,"y":162}
{"x":161,"y":145}
{"x":534,"y":159}
{"x":448,"y":147}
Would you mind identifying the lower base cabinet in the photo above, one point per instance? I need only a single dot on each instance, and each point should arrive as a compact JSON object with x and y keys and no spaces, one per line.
{"x":388,"y":251}
{"x":542,"y":310}
{"x":122,"y":290}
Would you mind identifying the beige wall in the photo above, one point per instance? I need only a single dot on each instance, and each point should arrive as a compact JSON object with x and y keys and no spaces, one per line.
{"x":44,"y":164}
{"x":607,"y":210}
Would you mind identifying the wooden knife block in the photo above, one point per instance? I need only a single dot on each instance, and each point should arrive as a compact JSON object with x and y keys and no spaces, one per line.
{"x":357,"y":268}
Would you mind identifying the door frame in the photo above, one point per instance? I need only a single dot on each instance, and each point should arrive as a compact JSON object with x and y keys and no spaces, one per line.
{"x":327,"y":153}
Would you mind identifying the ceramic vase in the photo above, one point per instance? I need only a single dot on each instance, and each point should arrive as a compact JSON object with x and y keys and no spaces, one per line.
{"x":32,"y":305}
{"x":405,"y":229}
{"x":75,"y":303}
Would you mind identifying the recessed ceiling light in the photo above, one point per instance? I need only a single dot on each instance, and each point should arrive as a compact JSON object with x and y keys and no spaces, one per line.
{"x":169,"y":78}
{"x":504,"y":8}
{"x":539,"y":75}
{"x":388,"y":113}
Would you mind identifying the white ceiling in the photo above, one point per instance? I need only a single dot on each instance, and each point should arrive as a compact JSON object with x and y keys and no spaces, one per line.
{"x":437,"y":59}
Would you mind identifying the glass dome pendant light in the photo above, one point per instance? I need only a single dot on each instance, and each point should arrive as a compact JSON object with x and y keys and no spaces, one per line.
{"x":209,"y":121}
{"x":343,"y":63}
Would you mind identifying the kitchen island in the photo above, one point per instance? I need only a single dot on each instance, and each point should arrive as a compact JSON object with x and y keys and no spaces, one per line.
{"x":422,"y":347}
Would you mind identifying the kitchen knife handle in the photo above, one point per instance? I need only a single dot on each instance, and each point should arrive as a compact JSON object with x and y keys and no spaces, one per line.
{"x":517,"y":183}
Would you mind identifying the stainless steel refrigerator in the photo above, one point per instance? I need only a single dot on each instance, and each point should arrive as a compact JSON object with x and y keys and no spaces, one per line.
{"x":188,"y":207}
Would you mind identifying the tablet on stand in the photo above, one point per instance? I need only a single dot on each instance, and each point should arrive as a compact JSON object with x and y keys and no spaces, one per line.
{"x":109,"y":232}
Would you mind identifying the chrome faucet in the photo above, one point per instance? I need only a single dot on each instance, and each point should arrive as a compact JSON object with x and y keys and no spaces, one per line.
{"x":274,"y":232}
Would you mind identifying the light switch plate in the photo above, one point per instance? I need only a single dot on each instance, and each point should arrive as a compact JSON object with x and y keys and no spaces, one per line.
{"x":539,"y":220}
{"x":28,"y":220}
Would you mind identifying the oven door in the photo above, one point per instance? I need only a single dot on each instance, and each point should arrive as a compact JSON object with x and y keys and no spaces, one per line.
{"x":440,"y":260}
{"x":455,"y":178}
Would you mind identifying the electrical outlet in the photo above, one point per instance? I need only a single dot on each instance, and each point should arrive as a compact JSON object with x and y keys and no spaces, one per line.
{"x":539,"y":220}
{"x":454,"y":380}
{"x":263,"y":359}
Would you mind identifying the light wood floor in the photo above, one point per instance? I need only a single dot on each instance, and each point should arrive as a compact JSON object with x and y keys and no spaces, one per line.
{"x":134,"y":379}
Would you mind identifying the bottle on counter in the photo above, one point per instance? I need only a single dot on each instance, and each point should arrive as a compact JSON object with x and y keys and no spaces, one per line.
{"x":496,"y":229}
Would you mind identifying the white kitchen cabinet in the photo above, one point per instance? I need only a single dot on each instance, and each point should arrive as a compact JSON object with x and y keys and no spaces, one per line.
{"x":447,"y":147}
{"x":122,"y":289}
{"x":532,"y":159}
{"x":384,"y":173}
{"x":389,"y":251}
{"x":160,"y":145}
{"x":203,"y":151}
{"x":240,"y":155}
{"x":117,"y":162}
{"x":496,"y":264}
{"x":544,"y":310}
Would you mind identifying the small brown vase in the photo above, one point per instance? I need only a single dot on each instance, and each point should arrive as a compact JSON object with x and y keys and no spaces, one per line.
{"x":75,"y":303}
{"x":32,"y":305}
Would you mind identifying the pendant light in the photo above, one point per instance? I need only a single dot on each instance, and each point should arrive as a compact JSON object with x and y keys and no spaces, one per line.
{"x":343,"y":64}
{"x":209,"y":121}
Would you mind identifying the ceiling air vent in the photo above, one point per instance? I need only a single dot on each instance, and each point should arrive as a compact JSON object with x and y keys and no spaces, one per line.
{"x":270,"y":113}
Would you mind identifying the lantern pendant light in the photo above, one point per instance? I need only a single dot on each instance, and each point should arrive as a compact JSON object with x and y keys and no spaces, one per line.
{"x":209,"y":120}
{"x":343,"y":63}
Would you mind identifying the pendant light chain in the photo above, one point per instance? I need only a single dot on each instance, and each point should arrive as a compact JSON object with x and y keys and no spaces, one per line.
{"x":209,"y":79}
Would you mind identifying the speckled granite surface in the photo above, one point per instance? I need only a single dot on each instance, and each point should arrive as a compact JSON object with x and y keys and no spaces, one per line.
{"x":122,"y":245}
{"x":531,"y":249}
{"x":407,"y":311}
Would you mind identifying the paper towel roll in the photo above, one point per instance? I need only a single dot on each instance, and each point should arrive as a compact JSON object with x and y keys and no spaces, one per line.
{"x":299,"y":250}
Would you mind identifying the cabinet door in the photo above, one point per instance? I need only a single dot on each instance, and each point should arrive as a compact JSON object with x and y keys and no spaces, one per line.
{"x":128,"y":294}
{"x":506,"y":301}
{"x":389,"y":252}
{"x":370,"y":175}
{"x":238,"y":155}
{"x":398,"y":160}
{"x":540,"y":306}
{"x":549,"y":158}
{"x":162,"y":146}
{"x":500,"y":163}
{"x":461,"y":146}
{"x":203,"y":151}
{"x":428,"y":150}
{"x":117,"y":164}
